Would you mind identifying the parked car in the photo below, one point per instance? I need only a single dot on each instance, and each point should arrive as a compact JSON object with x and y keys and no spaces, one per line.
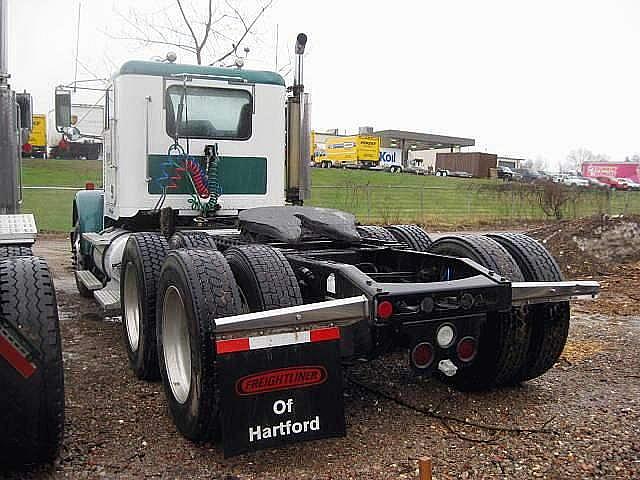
{"x":595,"y":183}
{"x":613,"y":183}
{"x":571,"y":181}
{"x":505,"y":173}
{"x":630,"y":183}
{"x":527,"y":175}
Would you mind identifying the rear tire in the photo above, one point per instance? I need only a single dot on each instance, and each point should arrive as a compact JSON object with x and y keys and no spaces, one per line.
{"x":142,"y":262}
{"x":32,"y":401}
{"x":195,"y":288}
{"x":191,"y":240}
{"x":264,"y":276}
{"x":375,"y":232}
{"x":8,"y":251}
{"x":414,"y":236}
{"x":504,"y":339}
{"x":549,"y":322}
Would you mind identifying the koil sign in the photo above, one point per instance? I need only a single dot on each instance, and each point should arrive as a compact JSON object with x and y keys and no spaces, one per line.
{"x":390,"y":156}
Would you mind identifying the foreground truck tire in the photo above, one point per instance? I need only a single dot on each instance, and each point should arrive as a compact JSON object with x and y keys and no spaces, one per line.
{"x":264,"y":276}
{"x":412,"y":235}
{"x":7,"y":251}
{"x":142,"y":261}
{"x":195,"y":288}
{"x":504,"y":340}
{"x":31,"y":375}
{"x":549,"y":322}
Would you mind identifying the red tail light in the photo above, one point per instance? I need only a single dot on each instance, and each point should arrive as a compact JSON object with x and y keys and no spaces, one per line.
{"x":422,"y":355}
{"x":385,"y":309}
{"x":467,"y":349}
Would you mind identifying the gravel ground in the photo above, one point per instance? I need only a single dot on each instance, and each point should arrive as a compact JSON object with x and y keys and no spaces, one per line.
{"x":580,"y":420}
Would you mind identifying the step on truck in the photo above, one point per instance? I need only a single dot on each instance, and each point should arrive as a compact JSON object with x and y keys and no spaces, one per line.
{"x":245,"y":302}
{"x":31,"y":375}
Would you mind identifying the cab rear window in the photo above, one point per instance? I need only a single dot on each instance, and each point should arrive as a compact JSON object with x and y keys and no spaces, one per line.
{"x":210,"y":113}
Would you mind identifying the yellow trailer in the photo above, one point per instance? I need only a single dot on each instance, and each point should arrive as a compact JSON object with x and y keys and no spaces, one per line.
{"x":36,"y":146}
{"x":354,"y":151}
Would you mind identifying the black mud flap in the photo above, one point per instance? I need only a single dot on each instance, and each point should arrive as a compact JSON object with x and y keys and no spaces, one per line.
{"x":274,"y":395}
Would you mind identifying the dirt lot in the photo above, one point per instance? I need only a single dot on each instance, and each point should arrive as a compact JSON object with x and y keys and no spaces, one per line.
{"x":580,"y":420}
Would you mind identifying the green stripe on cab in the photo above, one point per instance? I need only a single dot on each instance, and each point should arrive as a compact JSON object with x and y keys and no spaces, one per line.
{"x":236,"y":175}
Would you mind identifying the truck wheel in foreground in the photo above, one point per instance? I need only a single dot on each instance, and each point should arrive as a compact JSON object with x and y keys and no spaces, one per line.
{"x":7,"y":251}
{"x":412,"y":235}
{"x":195,"y":287}
{"x":549,"y":321}
{"x":264,"y":277}
{"x":375,"y":232}
{"x":142,"y":261}
{"x":31,"y":375}
{"x":504,"y":339}
{"x":191,"y":240}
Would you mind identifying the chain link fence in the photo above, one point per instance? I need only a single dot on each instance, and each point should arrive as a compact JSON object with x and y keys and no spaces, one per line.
{"x":472,"y":203}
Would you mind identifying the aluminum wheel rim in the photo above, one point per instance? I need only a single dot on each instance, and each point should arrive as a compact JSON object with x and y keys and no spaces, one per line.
{"x":132,"y":306}
{"x":176,"y":345}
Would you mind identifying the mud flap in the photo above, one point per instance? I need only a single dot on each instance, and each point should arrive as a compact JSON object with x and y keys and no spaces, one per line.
{"x":280,"y":389}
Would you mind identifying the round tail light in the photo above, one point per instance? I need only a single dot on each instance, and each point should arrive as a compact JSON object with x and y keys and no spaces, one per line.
{"x":445,"y":335}
{"x":385,"y":309}
{"x":467,"y":349}
{"x":422,"y":355}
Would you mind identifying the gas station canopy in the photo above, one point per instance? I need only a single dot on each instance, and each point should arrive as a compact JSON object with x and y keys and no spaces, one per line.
{"x":421,"y":141}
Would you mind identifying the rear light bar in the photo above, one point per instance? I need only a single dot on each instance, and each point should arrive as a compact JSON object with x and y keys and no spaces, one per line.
{"x":277,"y":340}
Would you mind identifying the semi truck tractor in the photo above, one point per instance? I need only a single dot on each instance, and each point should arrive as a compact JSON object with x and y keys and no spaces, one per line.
{"x":245,"y":302}
{"x":31,"y":375}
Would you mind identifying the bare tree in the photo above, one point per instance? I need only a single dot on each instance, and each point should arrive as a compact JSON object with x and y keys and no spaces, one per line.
{"x":577,"y":157}
{"x":212,"y":30}
{"x":540,"y":163}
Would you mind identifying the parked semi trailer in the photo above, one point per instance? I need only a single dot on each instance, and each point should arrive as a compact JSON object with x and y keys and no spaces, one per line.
{"x":245,"y":302}
{"x":82,"y":138}
{"x":31,"y":376}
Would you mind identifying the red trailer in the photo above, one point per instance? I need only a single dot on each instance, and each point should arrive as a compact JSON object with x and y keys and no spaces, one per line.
{"x":630,"y":170}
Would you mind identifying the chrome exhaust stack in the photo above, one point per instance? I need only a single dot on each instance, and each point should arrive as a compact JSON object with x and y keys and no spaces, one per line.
{"x":298,"y":132}
{"x":9,"y":134}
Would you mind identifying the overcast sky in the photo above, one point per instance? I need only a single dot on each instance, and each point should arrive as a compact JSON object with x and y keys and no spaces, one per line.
{"x":524,"y":78}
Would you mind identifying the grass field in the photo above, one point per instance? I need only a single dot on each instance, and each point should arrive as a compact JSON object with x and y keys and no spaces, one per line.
{"x":374,"y":197}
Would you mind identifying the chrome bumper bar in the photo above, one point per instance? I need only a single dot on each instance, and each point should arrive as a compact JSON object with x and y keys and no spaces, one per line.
{"x":526,"y":293}
{"x":341,"y":312}
{"x":347,"y":311}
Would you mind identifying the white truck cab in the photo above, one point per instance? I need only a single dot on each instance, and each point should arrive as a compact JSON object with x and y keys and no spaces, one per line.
{"x":145,"y":150}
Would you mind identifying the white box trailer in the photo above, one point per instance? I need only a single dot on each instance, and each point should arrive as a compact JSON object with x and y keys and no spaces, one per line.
{"x":83,"y":138}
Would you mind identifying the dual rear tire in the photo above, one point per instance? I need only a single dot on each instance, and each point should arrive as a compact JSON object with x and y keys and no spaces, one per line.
{"x":526,"y":342}
{"x":414,"y":237}
{"x":195,"y":288}
{"x":504,"y":338}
